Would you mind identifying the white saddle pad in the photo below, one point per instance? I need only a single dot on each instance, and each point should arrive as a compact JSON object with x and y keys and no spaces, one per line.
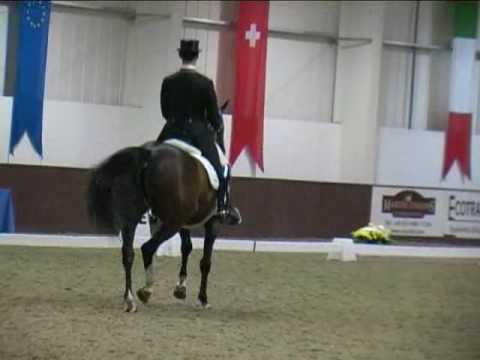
{"x":197,"y":154}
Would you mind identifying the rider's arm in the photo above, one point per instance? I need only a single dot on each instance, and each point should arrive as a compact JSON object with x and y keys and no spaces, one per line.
{"x":164,"y":100}
{"x":212,"y":107}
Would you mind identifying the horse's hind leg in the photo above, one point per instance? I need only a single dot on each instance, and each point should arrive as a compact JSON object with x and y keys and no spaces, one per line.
{"x":128,"y":255}
{"x":148,"y":251}
{"x":180,"y":291}
{"x":211,"y":232}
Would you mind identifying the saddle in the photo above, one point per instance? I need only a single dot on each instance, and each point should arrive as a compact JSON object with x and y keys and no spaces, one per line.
{"x":197,"y":154}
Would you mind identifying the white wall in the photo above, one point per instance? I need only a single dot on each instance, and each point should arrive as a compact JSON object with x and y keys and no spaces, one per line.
{"x":294,"y":150}
{"x":300,"y":74}
{"x":147,"y":61}
{"x":81,"y":135}
{"x":86,"y":58}
{"x":426,"y":99}
{"x":3,"y":43}
{"x":357,"y":89}
{"x":397,"y":64}
{"x":415,"y":158}
{"x":5,"y":122}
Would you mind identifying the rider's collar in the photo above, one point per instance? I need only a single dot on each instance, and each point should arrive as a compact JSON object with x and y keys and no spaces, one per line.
{"x":188,"y":67}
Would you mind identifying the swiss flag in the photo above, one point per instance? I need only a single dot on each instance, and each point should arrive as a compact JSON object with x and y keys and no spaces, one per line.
{"x":250,"y":69}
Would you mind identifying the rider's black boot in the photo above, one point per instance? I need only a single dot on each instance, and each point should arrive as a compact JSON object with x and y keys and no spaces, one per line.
{"x":229,"y":215}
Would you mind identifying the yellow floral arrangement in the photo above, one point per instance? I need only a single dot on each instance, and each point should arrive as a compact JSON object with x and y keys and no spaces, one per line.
{"x":373,"y":234}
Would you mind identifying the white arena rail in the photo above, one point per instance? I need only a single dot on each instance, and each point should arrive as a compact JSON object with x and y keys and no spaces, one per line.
{"x":341,"y":249}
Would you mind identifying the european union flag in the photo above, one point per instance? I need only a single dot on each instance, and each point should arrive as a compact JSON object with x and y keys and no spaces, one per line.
{"x":27,"y":111}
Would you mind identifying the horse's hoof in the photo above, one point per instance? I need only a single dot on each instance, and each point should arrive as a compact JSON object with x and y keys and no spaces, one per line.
{"x":180,"y":292}
{"x":144,"y":295}
{"x":130,"y":307}
{"x":203,"y":305}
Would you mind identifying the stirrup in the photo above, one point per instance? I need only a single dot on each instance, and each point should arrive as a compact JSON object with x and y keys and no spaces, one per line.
{"x":234,"y":217}
{"x":230,"y":216}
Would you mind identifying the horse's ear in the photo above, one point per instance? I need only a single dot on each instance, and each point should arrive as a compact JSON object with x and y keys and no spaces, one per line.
{"x":224,"y":106}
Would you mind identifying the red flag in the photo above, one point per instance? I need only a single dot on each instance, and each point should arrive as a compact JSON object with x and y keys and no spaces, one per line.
{"x":457,"y":144}
{"x":250,"y":69}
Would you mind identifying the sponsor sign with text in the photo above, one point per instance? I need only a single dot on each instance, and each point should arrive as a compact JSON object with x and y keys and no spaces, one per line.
{"x":463,"y":218}
{"x":426,"y":213}
{"x":408,"y":212}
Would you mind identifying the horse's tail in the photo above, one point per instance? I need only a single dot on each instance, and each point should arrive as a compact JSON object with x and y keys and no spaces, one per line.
{"x":115,"y":194}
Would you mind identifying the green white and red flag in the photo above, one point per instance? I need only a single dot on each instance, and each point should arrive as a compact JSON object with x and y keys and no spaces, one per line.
{"x":461,"y":102}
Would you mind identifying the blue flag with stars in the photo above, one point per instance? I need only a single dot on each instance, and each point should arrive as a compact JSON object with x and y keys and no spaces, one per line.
{"x":27,"y":111}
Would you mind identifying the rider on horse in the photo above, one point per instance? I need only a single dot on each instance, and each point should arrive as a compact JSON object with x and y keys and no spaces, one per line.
{"x":189,"y":106}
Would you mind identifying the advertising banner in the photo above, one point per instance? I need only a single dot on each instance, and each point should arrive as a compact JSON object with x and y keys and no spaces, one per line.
{"x":408,"y":211}
{"x":463,"y":217}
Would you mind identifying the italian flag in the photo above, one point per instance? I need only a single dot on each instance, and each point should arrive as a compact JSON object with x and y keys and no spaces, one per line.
{"x":458,"y":137}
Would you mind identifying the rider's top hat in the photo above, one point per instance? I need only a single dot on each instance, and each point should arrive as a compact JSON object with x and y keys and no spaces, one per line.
{"x":188,"y":47}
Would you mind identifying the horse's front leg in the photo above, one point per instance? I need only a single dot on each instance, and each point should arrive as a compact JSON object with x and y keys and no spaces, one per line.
{"x":128,"y":255}
{"x":148,"y":252}
{"x":211,"y":232}
{"x":180,"y":291}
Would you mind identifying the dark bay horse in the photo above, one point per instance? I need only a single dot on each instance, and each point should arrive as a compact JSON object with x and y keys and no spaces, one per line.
{"x":176,"y":188}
